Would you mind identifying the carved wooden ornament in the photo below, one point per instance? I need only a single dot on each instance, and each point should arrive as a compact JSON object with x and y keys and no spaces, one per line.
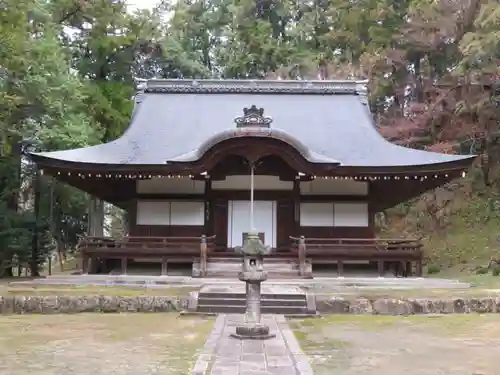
{"x":253,"y":116}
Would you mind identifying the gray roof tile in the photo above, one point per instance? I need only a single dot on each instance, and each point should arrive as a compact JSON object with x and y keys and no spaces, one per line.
{"x":329,"y":119}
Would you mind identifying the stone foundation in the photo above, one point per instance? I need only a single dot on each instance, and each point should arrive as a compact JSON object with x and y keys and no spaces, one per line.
{"x":333,"y":305}
{"x":410,"y":306}
{"x":81,"y":304}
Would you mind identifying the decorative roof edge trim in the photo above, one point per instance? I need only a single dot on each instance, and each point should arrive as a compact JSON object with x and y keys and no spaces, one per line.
{"x":47,"y":162}
{"x":256,"y":132}
{"x":207,"y":86}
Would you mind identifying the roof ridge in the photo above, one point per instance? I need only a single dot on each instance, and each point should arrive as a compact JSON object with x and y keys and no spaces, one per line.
{"x":356,"y":87}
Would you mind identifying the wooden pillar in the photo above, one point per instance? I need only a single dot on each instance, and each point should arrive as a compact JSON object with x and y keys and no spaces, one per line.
{"x":123,"y":265}
{"x":203,"y":256}
{"x":302,"y":256}
{"x":340,"y":268}
{"x":91,"y":217}
{"x":408,"y":269}
{"x":85,"y":264}
{"x":104,"y":266}
{"x":419,"y":268}
{"x":296,"y":207}
{"x":164,"y":267}
{"x":99,"y":230}
{"x":381,"y":266}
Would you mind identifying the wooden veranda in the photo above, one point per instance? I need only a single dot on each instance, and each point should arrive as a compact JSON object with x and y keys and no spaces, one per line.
{"x":403,"y":255}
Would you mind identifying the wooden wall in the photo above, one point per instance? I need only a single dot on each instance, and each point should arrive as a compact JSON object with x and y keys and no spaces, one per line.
{"x":160,"y":230}
{"x":288,"y":196}
{"x":287,"y":218}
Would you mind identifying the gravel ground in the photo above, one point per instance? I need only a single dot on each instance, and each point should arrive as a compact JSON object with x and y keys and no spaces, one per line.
{"x":112,"y":344}
{"x":445,"y":345}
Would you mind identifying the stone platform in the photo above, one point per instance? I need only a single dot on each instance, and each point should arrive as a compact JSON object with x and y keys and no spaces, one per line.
{"x":239,"y":288}
{"x":228,"y":268}
{"x":289,"y":300}
{"x":329,"y":284}
{"x":224,"y":355}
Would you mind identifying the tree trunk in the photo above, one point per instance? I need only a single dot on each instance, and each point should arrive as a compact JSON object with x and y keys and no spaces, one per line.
{"x":7,"y":272}
{"x":60,"y":251}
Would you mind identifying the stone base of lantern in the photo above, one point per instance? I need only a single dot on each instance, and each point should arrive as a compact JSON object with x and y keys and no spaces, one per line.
{"x":253,"y":331}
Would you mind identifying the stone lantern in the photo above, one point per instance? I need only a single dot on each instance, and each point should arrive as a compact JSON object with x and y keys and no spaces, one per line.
{"x":253,"y":274}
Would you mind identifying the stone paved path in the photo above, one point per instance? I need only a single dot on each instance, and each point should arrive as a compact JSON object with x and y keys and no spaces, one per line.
{"x":224,"y":355}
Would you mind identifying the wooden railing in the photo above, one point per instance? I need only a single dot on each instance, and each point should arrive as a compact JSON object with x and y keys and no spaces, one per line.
{"x":356,"y":248}
{"x":305,"y":249}
{"x":145,"y":245}
{"x":127,"y":247}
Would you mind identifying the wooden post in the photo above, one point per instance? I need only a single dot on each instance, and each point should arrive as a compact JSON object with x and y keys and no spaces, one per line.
{"x":124,"y":265}
{"x":203,"y":256}
{"x":296,"y":205}
{"x":419,"y":270}
{"x":302,"y":256}
{"x":340,"y":268}
{"x":408,"y":269}
{"x":381,"y":267}
{"x":85,"y":264}
{"x":164,"y":268}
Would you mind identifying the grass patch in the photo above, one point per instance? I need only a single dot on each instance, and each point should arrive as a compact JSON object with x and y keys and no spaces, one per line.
{"x":347,"y":344}
{"x":364,"y":322}
{"x":309,"y":335}
{"x":482,"y":281}
{"x":466,"y":274}
{"x":7,"y":289}
{"x":444,"y":324}
{"x":469,"y":234}
{"x":106,"y":342}
{"x":476,"y":325}
{"x":372,"y":294}
{"x":315,"y":346}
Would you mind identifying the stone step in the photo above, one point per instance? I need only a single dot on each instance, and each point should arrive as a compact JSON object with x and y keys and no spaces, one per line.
{"x":242,"y":302}
{"x":239,"y":260}
{"x":276,"y":267}
{"x":281,"y":275}
{"x":229,"y":309}
{"x":283,"y":296}
{"x":222,"y":267}
{"x":224,"y":263}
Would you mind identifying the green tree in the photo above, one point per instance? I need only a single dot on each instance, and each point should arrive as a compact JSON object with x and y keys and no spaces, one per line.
{"x":42,"y":100}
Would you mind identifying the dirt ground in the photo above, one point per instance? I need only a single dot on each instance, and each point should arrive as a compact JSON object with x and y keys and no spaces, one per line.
{"x":417,"y":345}
{"x":114,"y":344}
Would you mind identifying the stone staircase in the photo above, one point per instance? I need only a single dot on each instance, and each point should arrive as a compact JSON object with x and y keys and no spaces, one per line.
{"x":289,"y":301}
{"x":226,"y":267}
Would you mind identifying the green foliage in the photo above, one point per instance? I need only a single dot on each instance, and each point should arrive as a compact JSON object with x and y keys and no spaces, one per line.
{"x":433,"y":268}
{"x":495,"y":271}
{"x":66,"y":90}
{"x":482,"y":271}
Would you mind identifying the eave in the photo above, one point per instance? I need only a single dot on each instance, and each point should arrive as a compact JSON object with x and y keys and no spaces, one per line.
{"x":61,"y":166}
{"x":389,"y":186}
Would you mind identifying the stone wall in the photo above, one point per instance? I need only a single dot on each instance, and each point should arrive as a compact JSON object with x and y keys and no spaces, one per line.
{"x":386,"y":306}
{"x":324,"y":305}
{"x":80,"y":304}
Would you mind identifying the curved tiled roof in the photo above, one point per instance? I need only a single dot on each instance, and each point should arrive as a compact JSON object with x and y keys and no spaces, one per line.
{"x":328,"y":120}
